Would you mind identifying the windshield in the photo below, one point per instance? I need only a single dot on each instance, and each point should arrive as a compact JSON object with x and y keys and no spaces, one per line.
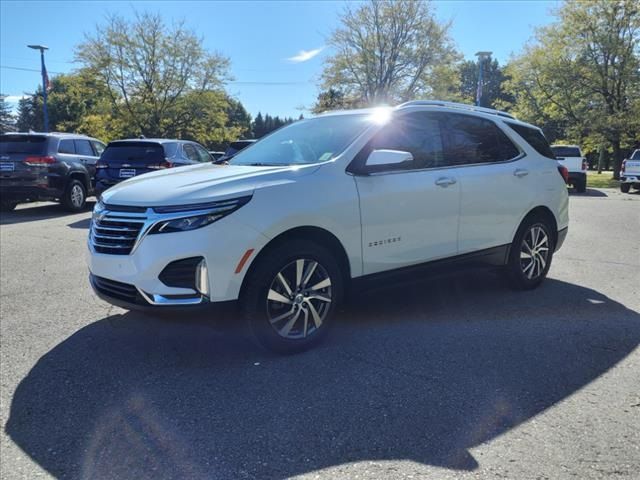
{"x":305,"y":141}
{"x":22,"y":144}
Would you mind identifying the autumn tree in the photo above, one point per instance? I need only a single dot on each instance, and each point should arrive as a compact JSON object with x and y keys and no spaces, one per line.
{"x":388,"y":52}
{"x":153,"y":70}
{"x":582,"y":74}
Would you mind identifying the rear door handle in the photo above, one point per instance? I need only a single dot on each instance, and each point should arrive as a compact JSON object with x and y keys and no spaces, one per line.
{"x":445,"y":181}
{"x":521,"y":172}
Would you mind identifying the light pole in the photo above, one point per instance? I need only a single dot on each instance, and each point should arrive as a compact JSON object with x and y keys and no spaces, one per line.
{"x":482,"y":56}
{"x":45,"y":83}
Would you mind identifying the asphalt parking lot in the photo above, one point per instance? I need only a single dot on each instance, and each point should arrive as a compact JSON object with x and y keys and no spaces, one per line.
{"x":450,"y":377}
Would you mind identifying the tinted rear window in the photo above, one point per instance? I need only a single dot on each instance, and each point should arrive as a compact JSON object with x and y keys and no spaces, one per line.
{"x":533,"y":137}
{"x":566,"y":151}
{"x":23,"y":144}
{"x":134,"y":151}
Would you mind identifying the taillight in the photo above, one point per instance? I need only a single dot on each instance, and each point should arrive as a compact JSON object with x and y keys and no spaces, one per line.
{"x":564,"y":173}
{"x":624,"y":164}
{"x":161,"y":165}
{"x":100,"y":165}
{"x":39,"y":161}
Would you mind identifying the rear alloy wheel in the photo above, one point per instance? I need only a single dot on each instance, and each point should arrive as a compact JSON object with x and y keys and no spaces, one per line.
{"x":75,"y":196}
{"x":625,"y":187}
{"x":291,"y":296}
{"x":531,"y":254}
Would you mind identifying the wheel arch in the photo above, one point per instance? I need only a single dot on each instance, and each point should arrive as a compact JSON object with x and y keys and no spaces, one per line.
{"x":313,"y":234}
{"x":81,"y":177}
{"x":544,"y":212}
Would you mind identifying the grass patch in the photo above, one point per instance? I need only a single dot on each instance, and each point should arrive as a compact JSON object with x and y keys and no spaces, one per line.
{"x":602,"y":180}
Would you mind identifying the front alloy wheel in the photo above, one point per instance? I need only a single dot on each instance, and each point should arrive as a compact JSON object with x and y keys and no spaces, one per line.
{"x":291,"y":295}
{"x":299,"y":299}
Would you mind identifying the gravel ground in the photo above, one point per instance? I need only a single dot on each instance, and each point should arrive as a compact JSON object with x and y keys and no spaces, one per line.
{"x":450,"y":377}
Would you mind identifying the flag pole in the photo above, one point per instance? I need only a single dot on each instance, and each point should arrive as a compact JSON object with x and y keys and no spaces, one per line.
{"x":45,"y":84}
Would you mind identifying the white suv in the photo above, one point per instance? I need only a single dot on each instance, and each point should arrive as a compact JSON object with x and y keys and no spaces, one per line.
{"x":292,"y":220}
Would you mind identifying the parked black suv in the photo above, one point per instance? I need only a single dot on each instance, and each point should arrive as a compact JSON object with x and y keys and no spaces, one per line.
{"x":124,"y":159}
{"x":47,"y":166}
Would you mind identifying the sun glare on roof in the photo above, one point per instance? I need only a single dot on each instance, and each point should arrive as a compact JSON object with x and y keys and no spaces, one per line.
{"x":380,"y":115}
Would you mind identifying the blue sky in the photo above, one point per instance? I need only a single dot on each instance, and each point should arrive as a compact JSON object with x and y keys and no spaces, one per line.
{"x":258,"y":37}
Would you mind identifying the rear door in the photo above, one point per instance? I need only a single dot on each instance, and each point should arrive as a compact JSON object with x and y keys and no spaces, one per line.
{"x":496,"y":181}
{"x":87,"y":156}
{"x":409,"y":213}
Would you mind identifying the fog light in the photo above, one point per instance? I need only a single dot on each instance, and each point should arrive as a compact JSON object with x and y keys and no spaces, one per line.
{"x":202,"y":278}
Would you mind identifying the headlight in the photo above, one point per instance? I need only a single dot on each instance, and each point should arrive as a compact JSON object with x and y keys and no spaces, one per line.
{"x":185,"y":224}
{"x":203,"y":215}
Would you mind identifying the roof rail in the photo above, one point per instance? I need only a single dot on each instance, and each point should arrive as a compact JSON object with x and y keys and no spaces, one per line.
{"x":462,"y":106}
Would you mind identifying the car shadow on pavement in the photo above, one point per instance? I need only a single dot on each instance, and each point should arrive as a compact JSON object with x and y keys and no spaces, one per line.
{"x":591,"y":192}
{"x":38,"y":211}
{"x":422,"y":372}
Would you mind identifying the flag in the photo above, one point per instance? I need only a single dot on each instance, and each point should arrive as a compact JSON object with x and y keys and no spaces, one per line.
{"x":45,"y":77}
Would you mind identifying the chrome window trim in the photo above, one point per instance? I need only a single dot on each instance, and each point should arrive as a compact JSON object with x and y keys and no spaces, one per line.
{"x":445,"y":167}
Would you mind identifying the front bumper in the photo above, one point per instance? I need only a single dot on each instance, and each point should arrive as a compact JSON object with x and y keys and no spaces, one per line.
{"x":222,"y":244}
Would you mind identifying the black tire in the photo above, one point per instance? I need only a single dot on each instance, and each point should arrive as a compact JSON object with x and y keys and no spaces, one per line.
{"x":7,"y":206}
{"x":262,"y":282}
{"x":519,"y":276}
{"x":625,"y":187}
{"x":581,"y":186}
{"x":75,"y":196}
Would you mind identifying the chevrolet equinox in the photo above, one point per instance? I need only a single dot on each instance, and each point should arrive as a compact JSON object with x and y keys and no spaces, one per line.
{"x":291,"y":220}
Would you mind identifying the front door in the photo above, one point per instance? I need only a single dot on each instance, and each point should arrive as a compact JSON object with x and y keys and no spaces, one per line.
{"x":409,"y":213}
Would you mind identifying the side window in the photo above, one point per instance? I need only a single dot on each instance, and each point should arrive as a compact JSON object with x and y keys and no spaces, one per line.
{"x":471,"y":140}
{"x":533,"y":137}
{"x":203,"y":154}
{"x":416,"y":133}
{"x":66,"y":146}
{"x":83,"y":147}
{"x":190,"y":152}
{"x":170,"y":149}
{"x":98,"y":147}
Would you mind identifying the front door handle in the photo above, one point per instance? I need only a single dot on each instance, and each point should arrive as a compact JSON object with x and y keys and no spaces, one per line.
{"x":521,"y":172}
{"x":445,"y":181}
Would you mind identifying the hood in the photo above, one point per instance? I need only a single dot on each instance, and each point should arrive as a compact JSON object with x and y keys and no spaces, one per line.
{"x":199,"y":183}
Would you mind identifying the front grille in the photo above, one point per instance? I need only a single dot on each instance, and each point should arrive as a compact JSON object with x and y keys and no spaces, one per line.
{"x":180,"y":273}
{"x":119,"y":290}
{"x":115,"y":235}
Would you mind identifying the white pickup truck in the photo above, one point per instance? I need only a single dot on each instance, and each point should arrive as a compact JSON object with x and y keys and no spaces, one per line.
{"x":630,"y":173}
{"x":572,"y":159}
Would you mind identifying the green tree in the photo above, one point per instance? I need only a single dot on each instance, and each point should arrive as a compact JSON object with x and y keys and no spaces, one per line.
{"x":149,"y":68}
{"x":77,"y":102}
{"x":582,"y":75}
{"x":330,"y":99}
{"x":6,"y":116}
{"x":387,"y":52}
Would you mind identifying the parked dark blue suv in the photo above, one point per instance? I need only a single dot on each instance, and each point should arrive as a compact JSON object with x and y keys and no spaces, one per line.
{"x":124,"y":159}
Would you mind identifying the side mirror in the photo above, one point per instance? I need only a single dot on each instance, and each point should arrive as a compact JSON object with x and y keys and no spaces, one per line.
{"x":380,"y":158}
